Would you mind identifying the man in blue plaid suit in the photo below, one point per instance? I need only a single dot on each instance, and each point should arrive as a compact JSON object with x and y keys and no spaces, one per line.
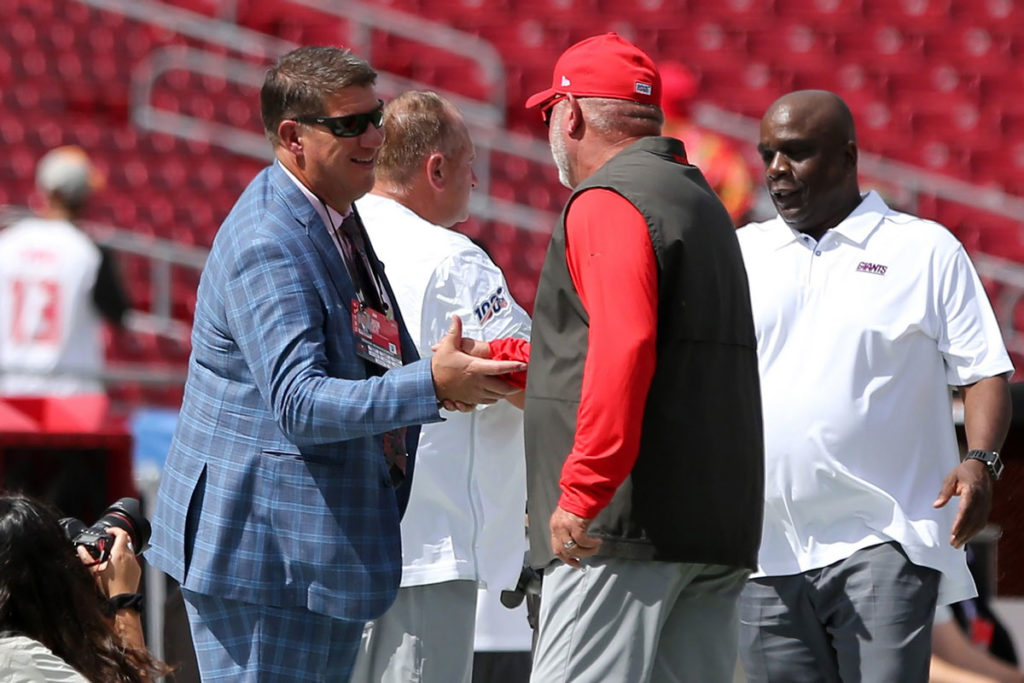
{"x":280,"y":500}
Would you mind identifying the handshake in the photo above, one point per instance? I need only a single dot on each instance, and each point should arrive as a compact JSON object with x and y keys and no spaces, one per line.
{"x":464,"y":374}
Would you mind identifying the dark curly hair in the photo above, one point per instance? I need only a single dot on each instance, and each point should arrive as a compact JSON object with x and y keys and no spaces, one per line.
{"x":47,"y":594}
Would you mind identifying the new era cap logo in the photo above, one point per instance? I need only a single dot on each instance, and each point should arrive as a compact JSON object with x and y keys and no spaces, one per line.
{"x":565,"y":82}
{"x":642,"y":88}
{"x":876,"y":268}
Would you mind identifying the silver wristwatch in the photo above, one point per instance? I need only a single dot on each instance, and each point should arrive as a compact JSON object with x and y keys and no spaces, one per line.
{"x":992,"y":461}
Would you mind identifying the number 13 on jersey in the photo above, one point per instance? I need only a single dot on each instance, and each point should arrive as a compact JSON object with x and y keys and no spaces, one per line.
{"x":36,"y":309}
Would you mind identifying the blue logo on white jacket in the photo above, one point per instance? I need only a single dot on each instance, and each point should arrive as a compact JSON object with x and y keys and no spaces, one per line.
{"x":494,"y":304}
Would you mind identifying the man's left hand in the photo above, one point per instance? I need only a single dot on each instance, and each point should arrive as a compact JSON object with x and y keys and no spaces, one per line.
{"x":569,"y":538}
{"x":970,"y":481}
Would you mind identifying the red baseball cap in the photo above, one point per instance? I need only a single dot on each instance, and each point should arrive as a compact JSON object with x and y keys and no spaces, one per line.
{"x":603,"y":66}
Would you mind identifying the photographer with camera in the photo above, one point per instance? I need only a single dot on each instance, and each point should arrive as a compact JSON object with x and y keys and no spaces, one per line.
{"x":67,"y":618}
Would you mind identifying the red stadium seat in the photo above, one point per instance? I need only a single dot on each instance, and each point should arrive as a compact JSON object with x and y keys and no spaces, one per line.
{"x":919,"y":13}
{"x":794,"y":46}
{"x":822,"y":13}
{"x":742,"y":14}
{"x":972,"y":49}
{"x":889,"y":47}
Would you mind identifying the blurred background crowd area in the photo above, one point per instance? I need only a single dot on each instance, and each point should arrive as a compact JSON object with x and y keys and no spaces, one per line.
{"x":163,"y":96}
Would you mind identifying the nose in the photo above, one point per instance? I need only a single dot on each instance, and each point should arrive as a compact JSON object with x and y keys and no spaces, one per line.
{"x":777,"y":167}
{"x":372,"y":137}
{"x":472,"y":176}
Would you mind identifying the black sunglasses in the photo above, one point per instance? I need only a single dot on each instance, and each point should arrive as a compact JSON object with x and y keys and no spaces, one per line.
{"x":349,"y":126}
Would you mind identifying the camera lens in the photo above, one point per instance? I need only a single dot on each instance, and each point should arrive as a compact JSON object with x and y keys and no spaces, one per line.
{"x":126,"y":513}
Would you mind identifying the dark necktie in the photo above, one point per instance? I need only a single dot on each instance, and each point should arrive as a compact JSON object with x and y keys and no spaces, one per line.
{"x":395,"y":454}
{"x":351,"y":240}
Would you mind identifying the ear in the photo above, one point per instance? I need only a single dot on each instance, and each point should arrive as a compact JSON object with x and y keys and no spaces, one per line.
{"x":851,"y":154}
{"x":436,"y":170}
{"x":574,"y":118}
{"x":290,"y":135}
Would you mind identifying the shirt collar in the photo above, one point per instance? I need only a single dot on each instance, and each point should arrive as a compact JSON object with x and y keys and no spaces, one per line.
{"x":854,"y":228}
{"x":862,"y":221}
{"x":328,"y":215}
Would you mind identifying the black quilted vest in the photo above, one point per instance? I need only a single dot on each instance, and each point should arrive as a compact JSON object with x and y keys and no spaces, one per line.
{"x":696,"y":491}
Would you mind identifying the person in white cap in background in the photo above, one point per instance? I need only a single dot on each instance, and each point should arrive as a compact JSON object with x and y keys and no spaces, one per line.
{"x":56,"y":288}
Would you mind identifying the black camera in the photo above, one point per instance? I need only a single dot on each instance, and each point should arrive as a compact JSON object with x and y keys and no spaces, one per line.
{"x":125,"y":513}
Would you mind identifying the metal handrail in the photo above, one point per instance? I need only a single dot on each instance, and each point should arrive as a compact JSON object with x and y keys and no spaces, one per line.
{"x":162,"y":255}
{"x":422,"y":31}
{"x":228,"y":34}
{"x":179,"y":57}
{"x":246,"y":143}
{"x":485,"y":119}
{"x":1010,"y":276}
{"x":252,"y":144}
{"x":198,"y":26}
{"x":248,"y":41}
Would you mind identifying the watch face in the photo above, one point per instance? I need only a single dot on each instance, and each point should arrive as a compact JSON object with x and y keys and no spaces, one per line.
{"x":996,"y":466}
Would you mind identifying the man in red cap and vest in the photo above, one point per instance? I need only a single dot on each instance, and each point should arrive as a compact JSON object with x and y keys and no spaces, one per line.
{"x":643,"y":414}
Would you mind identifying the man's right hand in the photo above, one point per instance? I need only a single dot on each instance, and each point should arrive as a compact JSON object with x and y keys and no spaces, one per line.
{"x":570,"y":541}
{"x":466,"y":380}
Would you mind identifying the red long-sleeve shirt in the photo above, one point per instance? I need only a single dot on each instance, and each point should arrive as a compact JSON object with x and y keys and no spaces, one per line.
{"x":612,"y":265}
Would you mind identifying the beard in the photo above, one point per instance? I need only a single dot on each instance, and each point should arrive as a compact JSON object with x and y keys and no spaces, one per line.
{"x":559,"y":152}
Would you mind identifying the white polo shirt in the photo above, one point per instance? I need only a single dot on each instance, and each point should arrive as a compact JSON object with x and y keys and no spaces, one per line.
{"x":859,"y":336}
{"x":465,"y":518}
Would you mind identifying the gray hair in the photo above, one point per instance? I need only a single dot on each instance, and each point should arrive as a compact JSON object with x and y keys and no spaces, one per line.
{"x":612,"y":117}
{"x":299,"y":83}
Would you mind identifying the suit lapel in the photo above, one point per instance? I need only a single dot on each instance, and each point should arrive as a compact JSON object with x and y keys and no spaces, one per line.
{"x":316,"y":231}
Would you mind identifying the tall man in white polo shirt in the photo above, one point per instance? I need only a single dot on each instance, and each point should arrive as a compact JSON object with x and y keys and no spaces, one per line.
{"x":864,"y":317}
{"x":464,"y":526}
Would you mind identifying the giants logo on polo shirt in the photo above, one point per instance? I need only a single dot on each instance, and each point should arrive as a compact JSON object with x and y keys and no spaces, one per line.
{"x":491,"y":306}
{"x":876,"y":268}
